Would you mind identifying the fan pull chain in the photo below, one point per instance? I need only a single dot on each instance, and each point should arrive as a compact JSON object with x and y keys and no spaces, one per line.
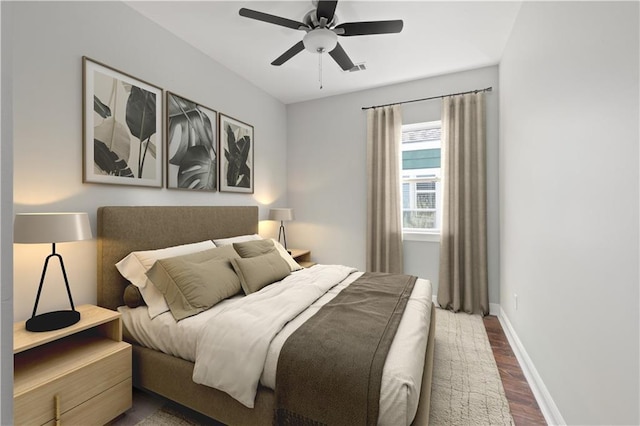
{"x":320,"y":68}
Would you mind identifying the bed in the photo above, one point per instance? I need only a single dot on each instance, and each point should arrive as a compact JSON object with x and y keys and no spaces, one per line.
{"x":122,"y":230}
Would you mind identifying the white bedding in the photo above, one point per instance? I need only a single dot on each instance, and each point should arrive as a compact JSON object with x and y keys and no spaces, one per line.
{"x":402,"y":373}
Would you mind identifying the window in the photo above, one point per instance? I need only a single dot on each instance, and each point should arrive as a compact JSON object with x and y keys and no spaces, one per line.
{"x":421,"y":179}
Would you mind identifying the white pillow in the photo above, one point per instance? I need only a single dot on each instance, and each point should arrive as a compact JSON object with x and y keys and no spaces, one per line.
{"x":286,"y":256}
{"x":240,"y":239}
{"x":135,"y":266}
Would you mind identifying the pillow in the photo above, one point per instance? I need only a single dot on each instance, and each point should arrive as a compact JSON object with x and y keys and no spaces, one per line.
{"x":286,"y":256}
{"x":253,"y":248}
{"x":260,"y":271}
{"x":135,"y":265}
{"x":257,"y":248}
{"x":228,"y":241}
{"x":132,"y":297}
{"x":194,"y":282}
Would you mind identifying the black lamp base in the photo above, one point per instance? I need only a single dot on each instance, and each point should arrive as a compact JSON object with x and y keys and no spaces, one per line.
{"x":52,"y":320}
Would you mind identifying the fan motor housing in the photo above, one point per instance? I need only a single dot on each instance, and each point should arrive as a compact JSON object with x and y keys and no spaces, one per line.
{"x":311,"y":19}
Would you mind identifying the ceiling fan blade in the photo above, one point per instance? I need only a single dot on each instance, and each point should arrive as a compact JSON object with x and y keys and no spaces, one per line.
{"x":272,"y":19}
{"x":326,"y":9}
{"x":367,"y":28}
{"x":297,"y":48}
{"x":340,"y":56}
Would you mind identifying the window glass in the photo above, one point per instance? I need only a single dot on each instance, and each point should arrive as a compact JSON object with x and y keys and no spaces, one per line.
{"x":421,"y":178}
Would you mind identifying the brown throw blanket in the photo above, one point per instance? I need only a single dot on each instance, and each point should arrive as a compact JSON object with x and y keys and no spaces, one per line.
{"x":330,"y":369}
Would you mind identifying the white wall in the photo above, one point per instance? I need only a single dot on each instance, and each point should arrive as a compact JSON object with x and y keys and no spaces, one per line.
{"x":569,"y":203}
{"x":49,"y":40}
{"x":327,"y":170}
{"x":6,"y":232}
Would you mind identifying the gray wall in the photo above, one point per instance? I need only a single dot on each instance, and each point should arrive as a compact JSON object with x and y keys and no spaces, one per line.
{"x":49,"y":40}
{"x":327,"y":171}
{"x":569,"y":203}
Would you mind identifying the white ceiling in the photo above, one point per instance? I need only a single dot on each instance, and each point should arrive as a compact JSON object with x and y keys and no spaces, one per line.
{"x":438,"y":38}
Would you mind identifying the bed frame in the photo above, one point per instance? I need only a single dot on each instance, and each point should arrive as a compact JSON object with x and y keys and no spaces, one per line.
{"x":122,"y":230}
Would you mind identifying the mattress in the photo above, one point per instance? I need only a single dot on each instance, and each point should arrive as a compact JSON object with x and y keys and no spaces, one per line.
{"x":402,"y":373}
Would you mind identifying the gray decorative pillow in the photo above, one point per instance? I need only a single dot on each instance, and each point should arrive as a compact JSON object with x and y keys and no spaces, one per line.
{"x":260,"y":271}
{"x":254,"y":248}
{"x":195,"y":282}
{"x":132,"y":296}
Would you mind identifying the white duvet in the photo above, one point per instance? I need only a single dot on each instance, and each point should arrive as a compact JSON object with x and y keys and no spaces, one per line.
{"x":235,"y":345}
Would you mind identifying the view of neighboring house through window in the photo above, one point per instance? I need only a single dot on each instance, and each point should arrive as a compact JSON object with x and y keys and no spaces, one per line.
{"x":421,"y":179}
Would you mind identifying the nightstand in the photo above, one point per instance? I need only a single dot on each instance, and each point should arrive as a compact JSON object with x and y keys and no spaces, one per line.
{"x":303,"y":257}
{"x":76,"y":375}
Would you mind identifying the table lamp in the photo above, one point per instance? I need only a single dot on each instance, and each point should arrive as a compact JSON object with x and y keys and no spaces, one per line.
{"x":281,"y":215}
{"x":34,"y":228}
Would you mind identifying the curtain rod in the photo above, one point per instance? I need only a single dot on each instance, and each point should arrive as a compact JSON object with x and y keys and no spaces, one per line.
{"x":486,"y":89}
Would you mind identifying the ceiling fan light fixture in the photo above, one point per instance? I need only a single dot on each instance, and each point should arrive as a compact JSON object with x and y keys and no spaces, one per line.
{"x":320,"y":40}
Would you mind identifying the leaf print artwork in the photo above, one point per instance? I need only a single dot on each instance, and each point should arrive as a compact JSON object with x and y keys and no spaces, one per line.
{"x":114,"y":138}
{"x":121,"y":129}
{"x":107,"y":161}
{"x":101,"y":108}
{"x":237,"y":169}
{"x":237,"y":154}
{"x":141,"y":119}
{"x":191,"y":145}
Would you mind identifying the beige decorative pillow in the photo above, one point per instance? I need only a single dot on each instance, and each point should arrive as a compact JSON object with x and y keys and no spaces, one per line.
{"x":286,"y":256}
{"x":260,"y":271}
{"x":195,"y":282}
{"x":254,"y":248}
{"x":257,"y":248}
{"x":135,"y":266}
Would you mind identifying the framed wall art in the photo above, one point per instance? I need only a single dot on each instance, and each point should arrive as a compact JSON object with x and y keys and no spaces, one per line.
{"x":191,"y":145}
{"x":122,"y":128}
{"x":236,"y":159}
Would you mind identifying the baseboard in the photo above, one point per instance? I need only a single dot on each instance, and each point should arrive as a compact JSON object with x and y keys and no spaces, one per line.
{"x":548,"y":407}
{"x":494,"y":308}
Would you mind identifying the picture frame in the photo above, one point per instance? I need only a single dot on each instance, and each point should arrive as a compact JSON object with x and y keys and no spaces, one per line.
{"x":122,"y":127}
{"x":236,"y":155}
{"x":192,"y":160}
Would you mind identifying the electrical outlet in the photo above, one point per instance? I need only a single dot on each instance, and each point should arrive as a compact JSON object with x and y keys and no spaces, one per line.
{"x":515,"y":300}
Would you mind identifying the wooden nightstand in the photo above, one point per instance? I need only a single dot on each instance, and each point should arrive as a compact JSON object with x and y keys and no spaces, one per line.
{"x":303,"y":257}
{"x":76,"y":375}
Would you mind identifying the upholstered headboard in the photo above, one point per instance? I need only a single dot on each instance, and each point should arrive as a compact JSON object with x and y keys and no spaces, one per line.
{"x":122,"y":230}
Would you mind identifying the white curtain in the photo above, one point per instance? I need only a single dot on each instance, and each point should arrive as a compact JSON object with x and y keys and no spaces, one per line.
{"x":384,"y":204}
{"x":463,"y":283}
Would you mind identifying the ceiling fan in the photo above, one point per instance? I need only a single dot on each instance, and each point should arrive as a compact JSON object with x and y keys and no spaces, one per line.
{"x":322,"y":32}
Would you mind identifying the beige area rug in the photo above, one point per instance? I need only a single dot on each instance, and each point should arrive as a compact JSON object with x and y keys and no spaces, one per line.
{"x":466,"y":388}
{"x":170,"y":416}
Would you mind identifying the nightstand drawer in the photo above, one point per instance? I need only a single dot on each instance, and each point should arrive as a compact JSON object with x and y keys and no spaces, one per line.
{"x":99,"y":409}
{"x":72,"y":373}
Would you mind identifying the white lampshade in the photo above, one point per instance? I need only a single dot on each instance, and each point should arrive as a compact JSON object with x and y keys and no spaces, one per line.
{"x":32,"y":228}
{"x":281,"y":214}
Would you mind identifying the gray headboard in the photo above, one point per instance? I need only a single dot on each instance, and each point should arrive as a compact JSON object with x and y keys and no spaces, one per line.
{"x":122,"y":230}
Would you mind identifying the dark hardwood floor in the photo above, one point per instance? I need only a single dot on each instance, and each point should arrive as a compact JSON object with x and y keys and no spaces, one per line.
{"x":523,"y":405}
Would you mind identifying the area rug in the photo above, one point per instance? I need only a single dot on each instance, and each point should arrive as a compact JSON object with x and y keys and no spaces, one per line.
{"x":466,"y":388}
{"x":169,"y":415}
